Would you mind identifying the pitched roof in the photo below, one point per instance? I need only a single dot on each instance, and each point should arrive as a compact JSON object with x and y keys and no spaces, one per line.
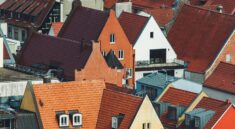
{"x":228,"y":5}
{"x":162,"y":15}
{"x":110,"y":3}
{"x":157,"y":79}
{"x":197,"y":38}
{"x":114,"y":103}
{"x":197,"y":2}
{"x":133,"y":25}
{"x":84,"y":24}
{"x":223,"y":78}
{"x":56,"y":26}
{"x":216,"y":105}
{"x":151,"y":4}
{"x":37,"y":8}
{"x":96,"y":103}
{"x":112,"y":61}
{"x":67,"y":54}
{"x":176,"y":97}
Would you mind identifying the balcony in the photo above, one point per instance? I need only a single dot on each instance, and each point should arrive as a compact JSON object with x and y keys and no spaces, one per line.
{"x":159,"y":64}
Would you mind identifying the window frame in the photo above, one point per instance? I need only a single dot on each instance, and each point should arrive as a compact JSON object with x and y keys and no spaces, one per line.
{"x":130,"y":70}
{"x":148,"y":125}
{"x":67,"y":120}
{"x":120,"y":54}
{"x":112,"y":38}
{"x":75,"y":123}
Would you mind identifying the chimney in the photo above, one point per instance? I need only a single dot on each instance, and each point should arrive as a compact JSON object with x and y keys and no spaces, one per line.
{"x":76,"y":3}
{"x":228,"y":101}
{"x":95,"y":45}
{"x":1,"y":52}
{"x":220,"y":9}
{"x":123,"y":6}
{"x":47,"y":79}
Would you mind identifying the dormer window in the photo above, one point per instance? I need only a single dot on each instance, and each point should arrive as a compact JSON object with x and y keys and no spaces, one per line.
{"x":116,"y":120}
{"x":112,"y":38}
{"x":120,"y":54}
{"x":197,"y":122}
{"x":77,"y":119}
{"x":64,"y":120}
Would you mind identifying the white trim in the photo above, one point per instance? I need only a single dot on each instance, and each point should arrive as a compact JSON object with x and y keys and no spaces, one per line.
{"x":221,"y":51}
{"x":67,"y":121}
{"x":222,"y":116}
{"x":77,"y":123}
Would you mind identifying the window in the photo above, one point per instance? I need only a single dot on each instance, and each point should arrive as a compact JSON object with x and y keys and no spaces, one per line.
{"x":148,"y":125}
{"x":64,"y":120}
{"x":228,"y":58}
{"x":77,"y":119}
{"x":129,"y":72}
{"x":120,"y":54}
{"x":23,"y":35}
{"x":197,"y":122}
{"x":112,"y":38}
{"x":151,"y":35}
{"x":16,"y":34}
{"x":144,"y":126}
{"x":9,"y":29}
{"x":103,"y":53}
{"x":114,"y":123}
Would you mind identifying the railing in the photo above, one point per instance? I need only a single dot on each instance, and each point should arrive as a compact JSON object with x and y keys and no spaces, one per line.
{"x":159,"y":63}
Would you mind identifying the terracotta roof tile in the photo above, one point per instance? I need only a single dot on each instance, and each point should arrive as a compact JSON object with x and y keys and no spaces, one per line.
{"x":67,"y":54}
{"x":228,"y":5}
{"x":84,"y":23}
{"x":223,"y":78}
{"x":176,"y":97}
{"x":56,"y":27}
{"x":133,"y":25}
{"x":197,"y":38}
{"x":96,"y":103}
{"x":197,"y":2}
{"x":151,"y":4}
{"x":161,"y":15}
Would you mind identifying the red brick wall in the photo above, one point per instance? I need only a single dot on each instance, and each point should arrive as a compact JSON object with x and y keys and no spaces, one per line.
{"x":229,"y":49}
{"x":97,"y":68}
{"x":121,"y":43}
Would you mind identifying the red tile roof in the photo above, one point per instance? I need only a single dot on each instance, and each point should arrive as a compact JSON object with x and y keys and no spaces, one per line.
{"x":110,"y":3}
{"x":228,"y":5}
{"x":96,"y":103}
{"x":197,"y":2}
{"x":37,"y":8}
{"x":198,"y":35}
{"x":84,"y":23}
{"x":133,"y":25}
{"x":223,"y":78}
{"x":151,"y":4}
{"x":56,"y":27}
{"x":161,"y":15}
{"x":176,"y":97}
{"x":216,"y":105}
{"x":67,"y":54}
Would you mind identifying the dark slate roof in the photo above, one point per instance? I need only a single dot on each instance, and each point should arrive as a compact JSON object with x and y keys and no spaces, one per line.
{"x":198,"y":36}
{"x":112,"y":61}
{"x":67,"y":54}
{"x":84,"y":24}
{"x":133,"y":25}
{"x":32,"y":8}
{"x":157,"y":80}
{"x":26,"y":121}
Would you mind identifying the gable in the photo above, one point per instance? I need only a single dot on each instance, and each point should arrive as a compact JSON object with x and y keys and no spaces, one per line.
{"x":146,"y":114}
{"x":27,"y":103}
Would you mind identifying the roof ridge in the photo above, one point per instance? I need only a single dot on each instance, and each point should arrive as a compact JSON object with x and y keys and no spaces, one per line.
{"x":204,"y":9}
{"x":134,"y":14}
{"x":223,"y":62}
{"x":213,"y":99}
{"x":183,"y":90}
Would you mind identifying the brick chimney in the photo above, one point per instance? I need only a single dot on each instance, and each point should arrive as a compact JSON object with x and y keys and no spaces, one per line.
{"x":228,"y":101}
{"x":1,"y":52}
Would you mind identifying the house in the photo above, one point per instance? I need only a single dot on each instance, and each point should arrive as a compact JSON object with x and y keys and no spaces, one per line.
{"x":85,"y":24}
{"x":23,"y":15}
{"x":55,"y":28}
{"x":221,"y":6}
{"x":198,"y":45}
{"x":91,"y":106}
{"x":220,"y":84}
{"x":153,"y":84}
{"x":172,"y":105}
{"x":210,"y":113}
{"x":152,"y":50}
{"x":63,"y":57}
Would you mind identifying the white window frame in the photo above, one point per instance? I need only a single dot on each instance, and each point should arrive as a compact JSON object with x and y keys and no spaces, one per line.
{"x":76,"y":123}
{"x":67,"y":120}
{"x":112,"y":38}
{"x":129,"y":70}
{"x":103,"y":53}
{"x":114,"y":122}
{"x":120,"y":54}
{"x":228,"y":58}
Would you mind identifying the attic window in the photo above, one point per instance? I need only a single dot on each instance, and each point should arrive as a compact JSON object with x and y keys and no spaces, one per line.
{"x":151,"y":35}
{"x":64,"y":120}
{"x":112,"y":38}
{"x":77,"y":119}
{"x":120,"y":54}
{"x":116,"y":120}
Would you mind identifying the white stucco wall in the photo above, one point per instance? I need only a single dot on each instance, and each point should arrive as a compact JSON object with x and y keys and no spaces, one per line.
{"x":144,"y":43}
{"x":146,"y":114}
{"x":95,"y":4}
{"x":179,"y":73}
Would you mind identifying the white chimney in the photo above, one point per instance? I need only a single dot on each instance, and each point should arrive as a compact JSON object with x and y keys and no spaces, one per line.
{"x":1,"y":52}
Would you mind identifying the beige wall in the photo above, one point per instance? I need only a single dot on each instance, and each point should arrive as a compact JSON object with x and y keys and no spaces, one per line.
{"x":146,"y":114}
{"x":27,"y":103}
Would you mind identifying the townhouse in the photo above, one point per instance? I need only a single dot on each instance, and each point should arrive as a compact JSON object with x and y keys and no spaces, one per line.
{"x":220,"y":84}
{"x":201,"y":42}
{"x":90,"y":106}
{"x":85,"y":24}
{"x":152,"y":50}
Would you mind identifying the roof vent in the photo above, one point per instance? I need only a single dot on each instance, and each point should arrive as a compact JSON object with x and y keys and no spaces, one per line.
{"x":116,"y":120}
{"x":219,"y":8}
